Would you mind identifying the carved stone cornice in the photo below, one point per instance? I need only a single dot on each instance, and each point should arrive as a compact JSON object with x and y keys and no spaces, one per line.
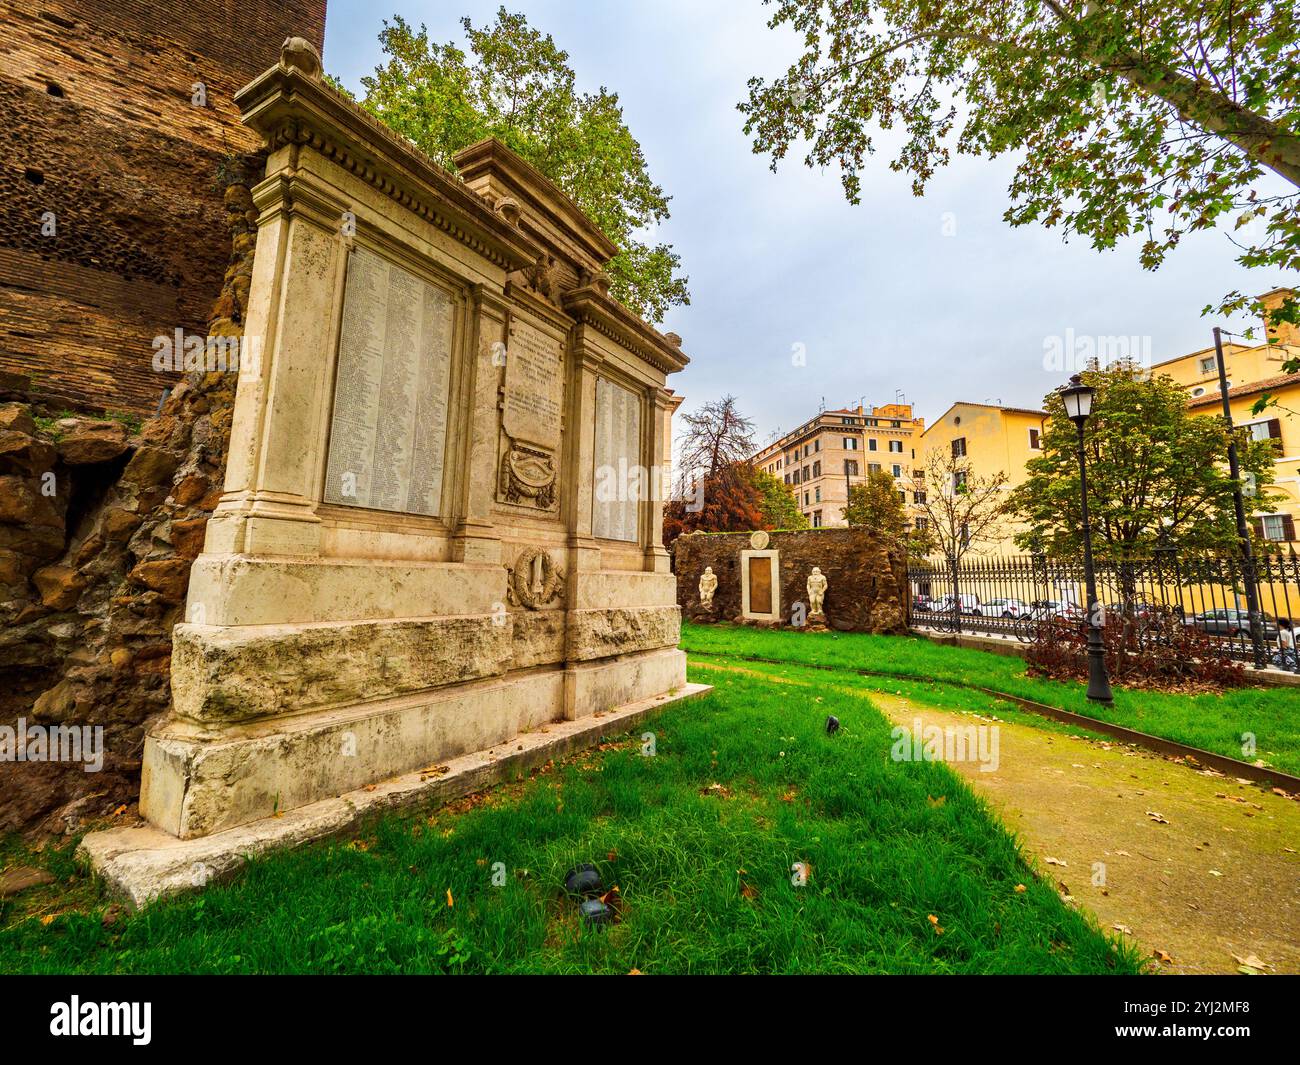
{"x":592,"y":305}
{"x":288,"y":107}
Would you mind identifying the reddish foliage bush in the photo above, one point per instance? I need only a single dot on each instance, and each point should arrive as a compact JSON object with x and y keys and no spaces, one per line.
{"x":1157,"y":651}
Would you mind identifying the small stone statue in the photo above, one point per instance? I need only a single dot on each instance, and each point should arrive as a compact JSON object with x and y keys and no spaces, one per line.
{"x":816,"y":590}
{"x":708,"y":585}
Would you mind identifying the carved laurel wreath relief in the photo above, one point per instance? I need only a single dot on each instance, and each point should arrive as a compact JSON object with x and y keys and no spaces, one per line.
{"x":534,"y":579}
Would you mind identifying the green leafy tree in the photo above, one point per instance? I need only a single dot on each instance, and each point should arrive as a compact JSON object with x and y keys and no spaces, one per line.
{"x":515,"y":84}
{"x":778,"y":505}
{"x":1157,"y":474}
{"x":1156,"y":118}
{"x":874,"y":504}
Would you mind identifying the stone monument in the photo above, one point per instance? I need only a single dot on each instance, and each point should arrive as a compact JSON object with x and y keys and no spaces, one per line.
{"x":410,"y":562}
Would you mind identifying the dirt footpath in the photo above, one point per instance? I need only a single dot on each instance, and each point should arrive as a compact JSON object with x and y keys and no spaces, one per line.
{"x":1196,"y":866}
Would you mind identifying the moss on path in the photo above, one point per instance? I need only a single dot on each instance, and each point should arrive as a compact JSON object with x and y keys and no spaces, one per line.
{"x":1212,"y":880}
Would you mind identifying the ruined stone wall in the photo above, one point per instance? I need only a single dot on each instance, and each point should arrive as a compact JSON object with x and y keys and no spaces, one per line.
{"x":866,"y":574}
{"x":103,"y":138}
{"x":99,"y":522}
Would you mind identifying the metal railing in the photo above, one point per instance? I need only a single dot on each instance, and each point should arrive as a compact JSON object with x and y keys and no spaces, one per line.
{"x":1011,"y":596}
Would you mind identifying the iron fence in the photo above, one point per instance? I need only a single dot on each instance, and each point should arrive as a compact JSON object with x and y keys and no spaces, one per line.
{"x":1011,"y":596}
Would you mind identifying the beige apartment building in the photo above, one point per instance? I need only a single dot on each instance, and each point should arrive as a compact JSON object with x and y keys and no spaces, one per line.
{"x":826,"y":455}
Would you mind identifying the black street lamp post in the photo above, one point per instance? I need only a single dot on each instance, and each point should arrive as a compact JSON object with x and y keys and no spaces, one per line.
{"x":1078,"y":406}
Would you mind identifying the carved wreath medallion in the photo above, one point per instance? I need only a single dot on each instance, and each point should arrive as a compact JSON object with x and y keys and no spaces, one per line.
{"x":534,"y":579}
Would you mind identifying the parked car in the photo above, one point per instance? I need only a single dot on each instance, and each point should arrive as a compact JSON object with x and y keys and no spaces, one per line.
{"x":1230,"y":622}
{"x":1007,"y":608}
{"x":922,"y":604}
{"x":1137,"y":609}
{"x":1047,"y":609}
{"x":970,"y":604}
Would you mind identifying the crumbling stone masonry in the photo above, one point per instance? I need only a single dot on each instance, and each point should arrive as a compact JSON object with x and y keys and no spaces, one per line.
{"x":99,"y":522}
{"x":866,"y":575}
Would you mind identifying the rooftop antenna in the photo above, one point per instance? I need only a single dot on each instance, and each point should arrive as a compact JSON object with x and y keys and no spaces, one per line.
{"x":900,"y":396}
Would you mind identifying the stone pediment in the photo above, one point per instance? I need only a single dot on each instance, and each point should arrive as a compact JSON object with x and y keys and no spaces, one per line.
{"x":547,"y":215}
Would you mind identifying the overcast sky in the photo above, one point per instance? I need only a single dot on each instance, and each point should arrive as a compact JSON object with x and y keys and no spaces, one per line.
{"x":882,"y":300}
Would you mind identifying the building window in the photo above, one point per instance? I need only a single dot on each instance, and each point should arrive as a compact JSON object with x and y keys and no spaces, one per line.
{"x":795,"y":475}
{"x":896,"y":446}
{"x":959,"y":447}
{"x":902,"y":497}
{"x":1276,"y":527}
{"x":817,"y":495}
{"x":817,"y":444}
{"x":1209,"y":365}
{"x":873,"y":467}
{"x":1197,"y":393}
{"x":1269,"y":429}
{"x":918,"y":497}
{"x":959,"y":480}
{"x":806,"y":500}
{"x":817,"y":468}
{"x":805,"y":474}
{"x":850,"y":443}
{"x":1035,"y":444}
{"x":851,"y":467}
{"x":871,"y":444}
{"x":897,"y":470}
{"x":787,"y":478}
{"x":817,"y":519}
{"x":922,"y":524}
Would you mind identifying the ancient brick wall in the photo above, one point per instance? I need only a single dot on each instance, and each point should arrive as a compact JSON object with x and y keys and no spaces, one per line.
{"x":101,"y":131}
{"x":866,"y":575}
{"x":100,"y":520}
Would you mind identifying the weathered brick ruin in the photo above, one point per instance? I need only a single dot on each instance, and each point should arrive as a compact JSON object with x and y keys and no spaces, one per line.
{"x":101,"y":517}
{"x":866,"y":574}
{"x":112,"y":229}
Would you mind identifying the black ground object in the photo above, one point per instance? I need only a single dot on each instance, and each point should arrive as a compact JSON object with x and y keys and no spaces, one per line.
{"x":584,"y":881}
{"x":832,"y":725}
{"x":595,"y":912}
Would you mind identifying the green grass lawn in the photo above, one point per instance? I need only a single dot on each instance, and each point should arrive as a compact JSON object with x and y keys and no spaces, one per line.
{"x":1211,"y":722}
{"x":910,"y":873}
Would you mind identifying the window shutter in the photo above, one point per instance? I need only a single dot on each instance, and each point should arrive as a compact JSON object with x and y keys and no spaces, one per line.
{"x":1258,"y":525}
{"x":1274,"y":429}
{"x":1288,"y":527}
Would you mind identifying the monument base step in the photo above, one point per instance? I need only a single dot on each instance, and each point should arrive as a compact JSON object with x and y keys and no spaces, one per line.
{"x":144,"y":864}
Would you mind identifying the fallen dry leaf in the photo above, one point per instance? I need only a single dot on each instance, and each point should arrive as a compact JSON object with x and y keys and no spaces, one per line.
{"x":1160,"y":955}
{"x":450,"y":900}
{"x":1157,"y":818}
{"x":1020,"y":889}
{"x":1057,"y":861}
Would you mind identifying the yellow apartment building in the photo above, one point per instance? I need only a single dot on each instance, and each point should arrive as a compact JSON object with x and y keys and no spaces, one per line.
{"x":1252,"y":371}
{"x":821,"y":459}
{"x":992,"y":439}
